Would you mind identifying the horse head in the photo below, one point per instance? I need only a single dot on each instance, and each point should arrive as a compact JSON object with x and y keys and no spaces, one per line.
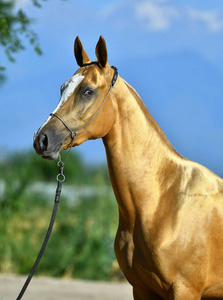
{"x":81,"y":99}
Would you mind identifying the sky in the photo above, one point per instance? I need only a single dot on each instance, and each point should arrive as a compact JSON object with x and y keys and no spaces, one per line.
{"x":170,"y":51}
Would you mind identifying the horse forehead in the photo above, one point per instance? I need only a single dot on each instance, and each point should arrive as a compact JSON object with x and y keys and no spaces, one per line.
{"x":68,"y":88}
{"x":93,"y":74}
{"x":71,"y":83}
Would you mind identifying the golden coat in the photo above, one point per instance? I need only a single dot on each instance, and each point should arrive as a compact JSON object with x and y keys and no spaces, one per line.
{"x":169,"y":242}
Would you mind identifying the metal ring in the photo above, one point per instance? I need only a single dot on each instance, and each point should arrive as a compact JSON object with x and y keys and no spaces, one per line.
{"x":62,"y":179}
{"x":60,"y":163}
{"x":73,"y":134}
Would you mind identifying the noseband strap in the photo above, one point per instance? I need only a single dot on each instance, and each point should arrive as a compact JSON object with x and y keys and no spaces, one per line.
{"x":74,"y":133}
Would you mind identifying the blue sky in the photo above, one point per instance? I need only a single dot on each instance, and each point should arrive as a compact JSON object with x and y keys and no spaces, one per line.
{"x":170,"y":51}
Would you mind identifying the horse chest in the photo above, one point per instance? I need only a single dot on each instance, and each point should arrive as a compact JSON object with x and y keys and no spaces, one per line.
{"x":137,"y":262}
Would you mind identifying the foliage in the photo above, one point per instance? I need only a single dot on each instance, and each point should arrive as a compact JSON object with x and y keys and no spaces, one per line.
{"x":13,"y":26}
{"x":81,"y":244}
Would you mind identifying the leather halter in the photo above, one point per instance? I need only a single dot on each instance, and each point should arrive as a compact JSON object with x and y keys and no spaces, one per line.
{"x":74,"y":133}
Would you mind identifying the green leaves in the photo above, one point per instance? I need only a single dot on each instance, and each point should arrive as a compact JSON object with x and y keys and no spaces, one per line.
{"x":13,"y":27}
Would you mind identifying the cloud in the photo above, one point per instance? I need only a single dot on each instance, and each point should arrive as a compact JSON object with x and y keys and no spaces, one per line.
{"x":162,"y":15}
{"x":158,"y":15}
{"x":213,"y":20}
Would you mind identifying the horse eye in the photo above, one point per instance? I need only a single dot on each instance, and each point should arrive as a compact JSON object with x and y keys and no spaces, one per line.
{"x":88,"y":92}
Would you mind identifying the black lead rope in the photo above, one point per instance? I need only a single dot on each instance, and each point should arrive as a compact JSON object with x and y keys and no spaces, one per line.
{"x":56,"y":202}
{"x":60,"y":180}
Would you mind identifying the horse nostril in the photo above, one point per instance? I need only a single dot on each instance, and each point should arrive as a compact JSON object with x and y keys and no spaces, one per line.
{"x":43,"y":142}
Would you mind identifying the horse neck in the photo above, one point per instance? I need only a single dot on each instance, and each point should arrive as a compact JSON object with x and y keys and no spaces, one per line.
{"x":137,"y":150}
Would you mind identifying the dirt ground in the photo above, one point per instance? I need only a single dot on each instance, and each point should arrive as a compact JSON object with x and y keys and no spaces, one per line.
{"x":42,"y":288}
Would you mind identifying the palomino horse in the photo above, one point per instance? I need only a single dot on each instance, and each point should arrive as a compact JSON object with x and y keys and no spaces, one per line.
{"x":169,"y":242}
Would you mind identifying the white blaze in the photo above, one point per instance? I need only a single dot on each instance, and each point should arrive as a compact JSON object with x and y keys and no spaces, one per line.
{"x":68,"y":89}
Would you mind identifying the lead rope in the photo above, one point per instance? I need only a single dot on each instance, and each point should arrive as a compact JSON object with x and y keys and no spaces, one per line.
{"x":60,"y":179}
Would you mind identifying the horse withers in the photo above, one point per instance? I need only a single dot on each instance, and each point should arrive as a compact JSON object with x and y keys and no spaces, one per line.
{"x":169,"y":242}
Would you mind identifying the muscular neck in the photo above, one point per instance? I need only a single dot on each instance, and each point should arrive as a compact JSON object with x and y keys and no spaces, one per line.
{"x":137,"y":151}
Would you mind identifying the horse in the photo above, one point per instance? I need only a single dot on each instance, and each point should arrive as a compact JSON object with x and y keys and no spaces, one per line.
{"x":169,"y":242}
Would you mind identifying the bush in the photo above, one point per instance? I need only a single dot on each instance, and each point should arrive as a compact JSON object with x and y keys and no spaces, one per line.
{"x":81,"y":244}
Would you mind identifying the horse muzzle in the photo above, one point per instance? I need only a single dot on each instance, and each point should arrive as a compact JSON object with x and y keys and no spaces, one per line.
{"x":47,"y":144}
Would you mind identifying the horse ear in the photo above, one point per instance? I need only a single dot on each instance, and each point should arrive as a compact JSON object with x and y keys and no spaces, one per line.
{"x":80,"y":54}
{"x":101,"y":52}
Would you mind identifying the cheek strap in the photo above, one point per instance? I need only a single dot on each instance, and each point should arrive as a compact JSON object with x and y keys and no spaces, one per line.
{"x":74,"y":133}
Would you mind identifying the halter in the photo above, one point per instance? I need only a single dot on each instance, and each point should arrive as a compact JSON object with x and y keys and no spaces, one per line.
{"x":74,"y":133}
